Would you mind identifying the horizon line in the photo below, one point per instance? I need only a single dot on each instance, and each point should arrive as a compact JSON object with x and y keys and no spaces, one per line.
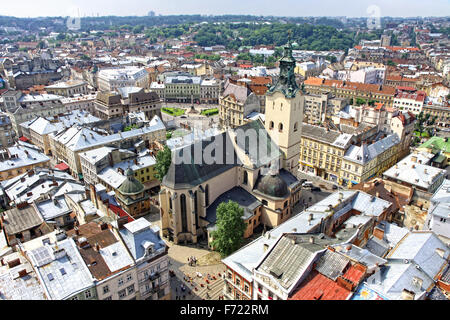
{"x":221,"y":15}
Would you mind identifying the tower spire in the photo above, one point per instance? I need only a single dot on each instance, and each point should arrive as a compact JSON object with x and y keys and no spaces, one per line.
{"x":286,"y":82}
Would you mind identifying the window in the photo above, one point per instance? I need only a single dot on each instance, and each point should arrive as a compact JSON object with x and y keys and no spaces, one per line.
{"x":129,"y":277}
{"x":88,"y":294}
{"x":245,"y":178}
{"x":296,"y":127}
{"x":271,"y":125}
{"x":238,"y":281}
{"x":280,"y":127}
{"x":105,"y":289}
{"x":130,"y":289}
{"x":120,"y":282}
{"x":184,"y":226}
{"x":122,"y":294}
{"x":207,"y":195}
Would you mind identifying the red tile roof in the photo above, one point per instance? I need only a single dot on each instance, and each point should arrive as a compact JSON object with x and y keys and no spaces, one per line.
{"x":62,"y":166}
{"x":374,"y":88}
{"x":245,"y":66}
{"x":353,"y":274}
{"x":319,"y":287}
{"x":120,"y":212}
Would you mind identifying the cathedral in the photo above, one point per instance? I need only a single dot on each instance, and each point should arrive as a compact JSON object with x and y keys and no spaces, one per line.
{"x":254,"y":165}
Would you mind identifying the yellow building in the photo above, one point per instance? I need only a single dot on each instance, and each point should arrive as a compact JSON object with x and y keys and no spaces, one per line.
{"x":235,"y":104}
{"x":322,"y":151}
{"x":21,"y":159}
{"x":362,"y":163}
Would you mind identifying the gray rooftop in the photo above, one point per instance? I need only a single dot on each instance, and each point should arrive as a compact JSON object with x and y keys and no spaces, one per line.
{"x":239,"y":195}
{"x":62,"y":276}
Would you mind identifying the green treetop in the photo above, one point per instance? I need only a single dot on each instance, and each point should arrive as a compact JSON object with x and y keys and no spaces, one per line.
{"x":163,"y":161}
{"x":230,"y":230}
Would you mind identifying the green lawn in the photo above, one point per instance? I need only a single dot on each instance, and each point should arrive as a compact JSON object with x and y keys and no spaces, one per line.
{"x":176,"y":112}
{"x":210,"y":112}
{"x":424,"y":134}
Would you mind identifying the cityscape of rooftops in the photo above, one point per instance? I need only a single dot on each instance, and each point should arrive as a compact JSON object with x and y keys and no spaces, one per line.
{"x":224,"y":155}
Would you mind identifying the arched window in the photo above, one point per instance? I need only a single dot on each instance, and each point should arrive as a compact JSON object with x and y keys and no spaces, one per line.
{"x":207,"y":196}
{"x":170,"y":202}
{"x":196,"y":209}
{"x":271,"y":125}
{"x":183,"y":213}
{"x":296,"y":127}
{"x":280,"y":127}
{"x":245,"y":178}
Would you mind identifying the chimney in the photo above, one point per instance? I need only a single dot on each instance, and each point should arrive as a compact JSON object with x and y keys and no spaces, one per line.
{"x":23,"y":273}
{"x":311,"y":240}
{"x":414,"y":159}
{"x":77,"y":231}
{"x":378,"y":194}
{"x":349,"y":247}
{"x":266,"y":247}
{"x":97,"y":247}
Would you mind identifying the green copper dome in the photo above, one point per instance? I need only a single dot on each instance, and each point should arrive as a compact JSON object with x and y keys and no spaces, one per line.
{"x":273,"y":186}
{"x":131,"y":186}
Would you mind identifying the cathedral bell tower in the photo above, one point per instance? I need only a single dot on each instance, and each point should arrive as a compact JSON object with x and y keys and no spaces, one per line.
{"x":284,"y":112}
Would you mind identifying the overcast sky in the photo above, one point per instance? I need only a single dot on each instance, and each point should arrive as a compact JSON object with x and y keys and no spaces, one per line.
{"x":349,"y":8}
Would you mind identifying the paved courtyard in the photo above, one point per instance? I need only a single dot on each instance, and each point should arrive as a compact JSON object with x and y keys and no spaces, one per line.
{"x":197,"y":288}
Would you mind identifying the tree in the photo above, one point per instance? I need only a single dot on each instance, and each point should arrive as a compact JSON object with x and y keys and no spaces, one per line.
{"x":391,"y":63}
{"x":163,"y":161}
{"x":41,"y":44}
{"x":229,"y":234}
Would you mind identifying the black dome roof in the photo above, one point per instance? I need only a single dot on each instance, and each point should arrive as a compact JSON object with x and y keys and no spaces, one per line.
{"x":273,"y":186}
